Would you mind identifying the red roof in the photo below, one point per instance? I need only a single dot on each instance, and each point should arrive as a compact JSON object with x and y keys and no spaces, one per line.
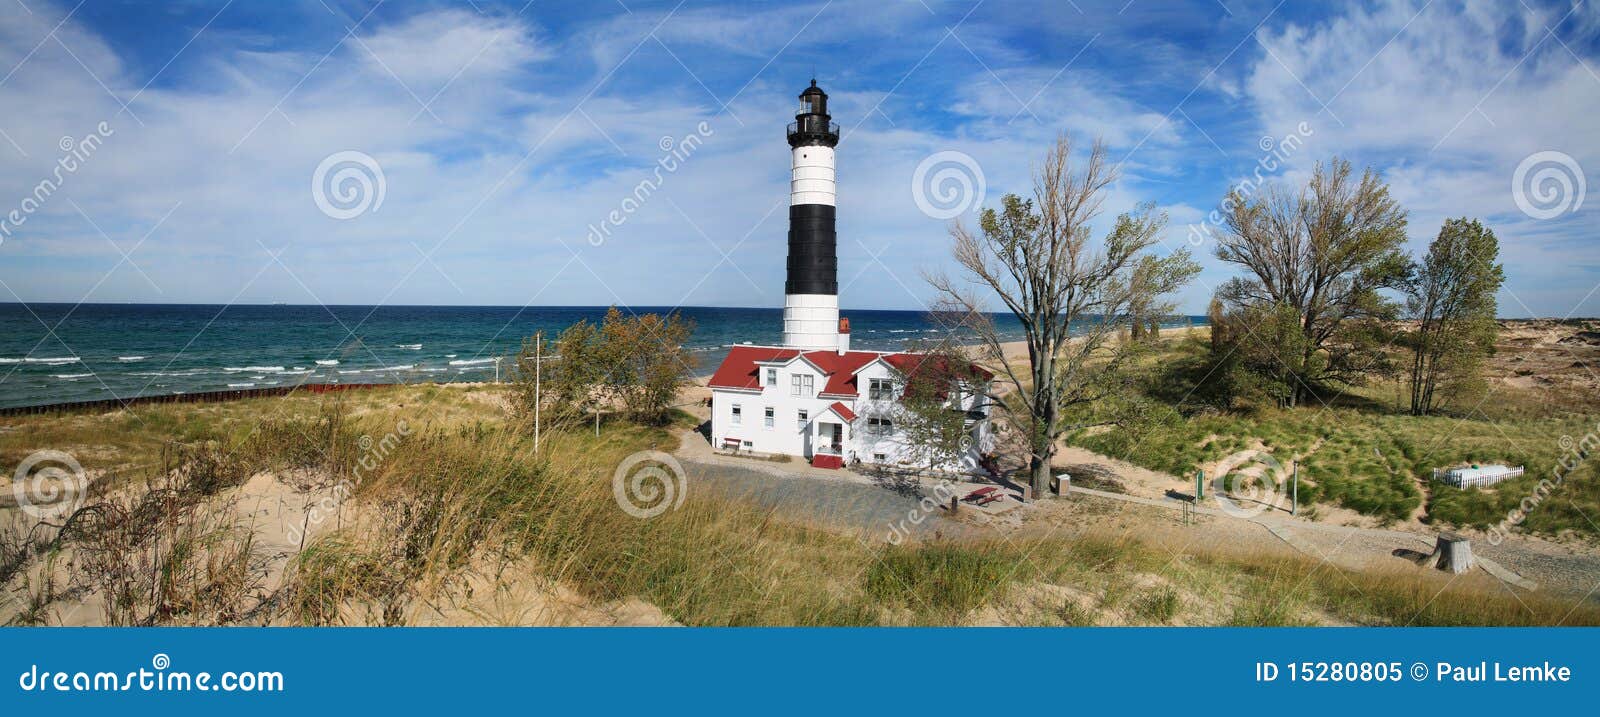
{"x":740,"y":370}
{"x":843,"y":411}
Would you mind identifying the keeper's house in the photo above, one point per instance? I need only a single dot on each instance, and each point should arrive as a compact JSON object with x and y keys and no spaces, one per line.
{"x":831,"y":407}
{"x":813,"y":397}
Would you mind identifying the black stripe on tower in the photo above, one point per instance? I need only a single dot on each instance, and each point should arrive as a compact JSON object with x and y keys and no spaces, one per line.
{"x":813,"y":263}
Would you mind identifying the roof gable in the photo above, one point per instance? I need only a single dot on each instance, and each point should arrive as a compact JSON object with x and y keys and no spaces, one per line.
{"x":741,"y":369}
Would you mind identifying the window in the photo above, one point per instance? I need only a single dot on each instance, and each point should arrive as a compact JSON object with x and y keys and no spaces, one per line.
{"x":880,"y":458}
{"x":767,"y":418}
{"x":772,"y":377}
{"x":738,"y":415}
{"x":801,"y":385}
{"x":880,"y":389}
{"x":879,"y":425}
{"x":800,"y":419}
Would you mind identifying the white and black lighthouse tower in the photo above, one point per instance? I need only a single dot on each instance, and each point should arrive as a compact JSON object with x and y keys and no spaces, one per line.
{"x":811,"y":292}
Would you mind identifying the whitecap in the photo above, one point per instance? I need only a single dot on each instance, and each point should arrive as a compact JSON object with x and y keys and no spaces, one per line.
{"x":272,"y":369}
{"x":50,"y":361}
{"x":471,"y":362}
{"x":409,"y":347}
{"x":327,"y":362}
{"x":130,"y":359}
{"x":240,"y":385}
{"x":72,"y":376}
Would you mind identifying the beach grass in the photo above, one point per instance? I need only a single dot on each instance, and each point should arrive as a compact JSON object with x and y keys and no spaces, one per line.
{"x":1358,"y":451}
{"x":466,"y":491}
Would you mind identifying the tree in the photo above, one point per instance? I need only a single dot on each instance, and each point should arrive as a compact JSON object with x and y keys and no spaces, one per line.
{"x":1451,"y":297}
{"x":635,"y":364}
{"x":1069,"y":296}
{"x":1318,"y":257}
{"x":931,"y":416}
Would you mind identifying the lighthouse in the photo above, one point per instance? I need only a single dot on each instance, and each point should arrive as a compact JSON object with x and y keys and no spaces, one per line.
{"x":811,"y":291}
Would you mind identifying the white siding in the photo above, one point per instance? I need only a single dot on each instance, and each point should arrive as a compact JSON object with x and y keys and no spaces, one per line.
{"x":786,"y":437}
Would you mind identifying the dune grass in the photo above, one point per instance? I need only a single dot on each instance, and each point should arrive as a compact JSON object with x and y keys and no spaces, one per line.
{"x":1376,"y":460}
{"x":466,"y":487}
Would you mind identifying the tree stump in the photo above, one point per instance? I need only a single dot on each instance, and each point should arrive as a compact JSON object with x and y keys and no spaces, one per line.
{"x":1454,"y":552}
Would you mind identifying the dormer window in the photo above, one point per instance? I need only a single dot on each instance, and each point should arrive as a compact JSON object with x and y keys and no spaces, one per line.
{"x":772,"y":377}
{"x":802,"y":385}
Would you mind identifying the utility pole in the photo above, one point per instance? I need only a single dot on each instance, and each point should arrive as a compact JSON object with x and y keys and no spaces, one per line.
{"x":538,"y":395}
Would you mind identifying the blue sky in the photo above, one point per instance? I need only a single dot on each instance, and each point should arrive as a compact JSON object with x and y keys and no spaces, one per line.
{"x":504,"y":132}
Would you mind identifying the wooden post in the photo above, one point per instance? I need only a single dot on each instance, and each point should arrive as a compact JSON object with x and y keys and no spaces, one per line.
{"x":955,"y":504}
{"x":1294,"y":495}
{"x":1454,"y":552}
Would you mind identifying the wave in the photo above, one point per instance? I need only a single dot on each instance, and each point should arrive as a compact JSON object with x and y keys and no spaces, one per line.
{"x":186,"y":372}
{"x":327,"y":362}
{"x":380,"y":369}
{"x":130,"y":359}
{"x":72,"y":376}
{"x":409,"y":347}
{"x":240,"y":385}
{"x":271,"y":369}
{"x":449,"y":355}
{"x":47,"y":361}
{"x":471,"y":362}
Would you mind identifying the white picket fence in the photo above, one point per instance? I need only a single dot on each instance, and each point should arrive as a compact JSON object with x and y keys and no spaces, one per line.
{"x":1475,"y":477}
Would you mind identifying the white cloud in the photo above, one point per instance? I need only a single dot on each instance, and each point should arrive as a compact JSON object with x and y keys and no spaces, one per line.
{"x":1446,"y":100}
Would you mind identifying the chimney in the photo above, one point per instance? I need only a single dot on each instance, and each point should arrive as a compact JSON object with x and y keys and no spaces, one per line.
{"x":844,"y":335}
